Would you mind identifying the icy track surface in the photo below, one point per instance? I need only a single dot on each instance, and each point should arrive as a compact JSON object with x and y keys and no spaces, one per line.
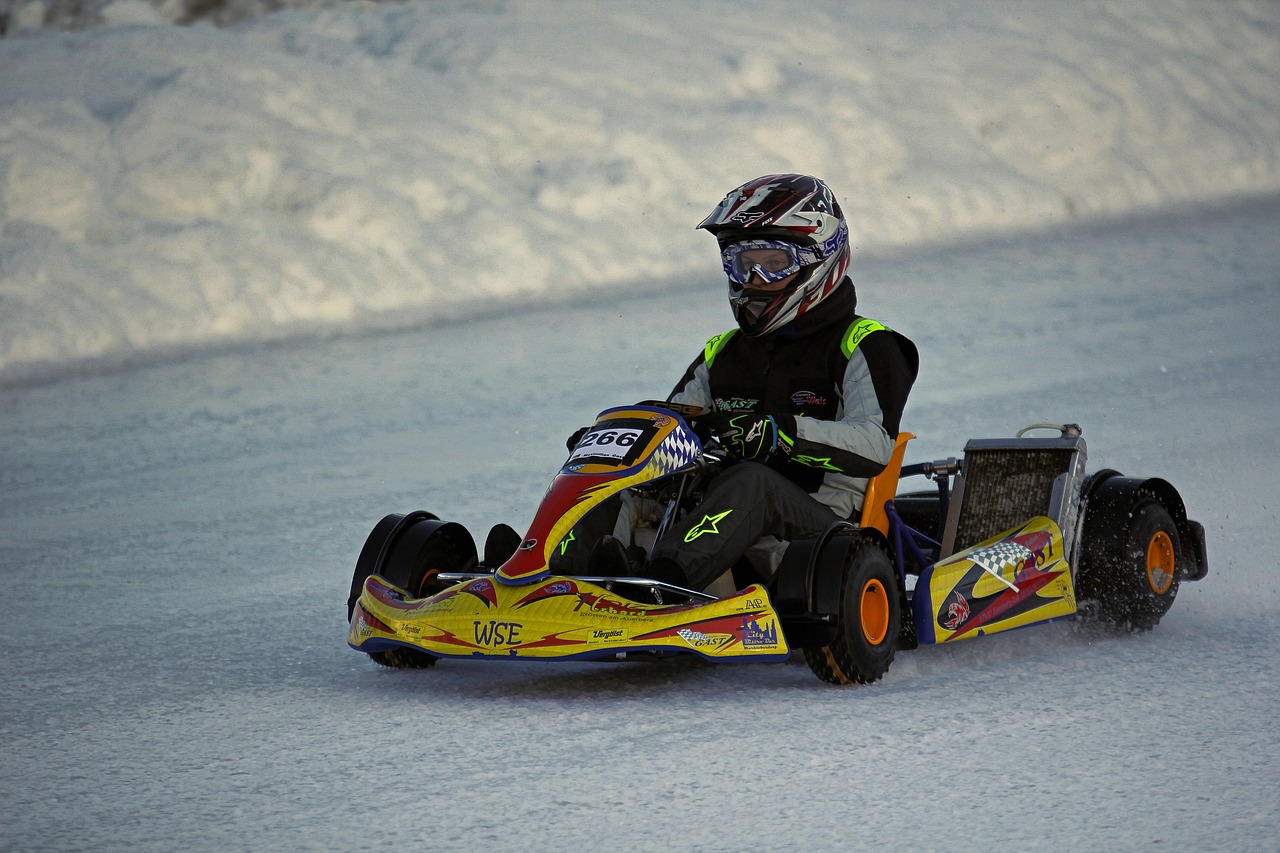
{"x":176,"y":544}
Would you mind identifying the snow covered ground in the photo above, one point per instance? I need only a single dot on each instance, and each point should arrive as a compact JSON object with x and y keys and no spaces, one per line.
{"x":1072,"y":209}
{"x":164,"y":189}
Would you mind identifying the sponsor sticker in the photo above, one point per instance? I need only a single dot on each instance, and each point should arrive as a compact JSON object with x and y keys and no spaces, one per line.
{"x":808,"y":399}
{"x":736,"y":404}
{"x":494,"y":634}
{"x":695,"y":638}
{"x":756,"y":634}
{"x":957,"y":612}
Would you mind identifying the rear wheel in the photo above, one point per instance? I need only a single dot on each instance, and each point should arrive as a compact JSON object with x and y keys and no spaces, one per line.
{"x":869,"y":623}
{"x":1136,"y":584}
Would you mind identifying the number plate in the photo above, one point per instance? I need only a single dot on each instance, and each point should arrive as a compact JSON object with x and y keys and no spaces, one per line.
{"x":608,"y":442}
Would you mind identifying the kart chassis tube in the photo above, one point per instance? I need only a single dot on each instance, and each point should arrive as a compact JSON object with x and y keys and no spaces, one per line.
{"x":458,"y":577}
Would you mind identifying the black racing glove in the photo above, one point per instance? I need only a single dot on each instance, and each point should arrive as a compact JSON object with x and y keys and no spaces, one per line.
{"x":752,"y":436}
{"x":576,"y":437}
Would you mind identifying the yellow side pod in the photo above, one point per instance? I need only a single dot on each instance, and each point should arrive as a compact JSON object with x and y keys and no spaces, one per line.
{"x":1017,"y":578}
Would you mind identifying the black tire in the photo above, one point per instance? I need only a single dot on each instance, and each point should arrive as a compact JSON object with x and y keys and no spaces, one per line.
{"x":417,"y":558}
{"x":869,"y":621}
{"x":415,"y":567}
{"x":1135,"y":584}
{"x":410,"y":552}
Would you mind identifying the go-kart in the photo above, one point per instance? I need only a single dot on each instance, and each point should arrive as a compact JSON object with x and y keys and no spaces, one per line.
{"x":1013,"y":534}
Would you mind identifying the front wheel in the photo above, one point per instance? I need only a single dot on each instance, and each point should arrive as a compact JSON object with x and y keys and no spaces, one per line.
{"x":411,"y":551}
{"x":415,"y":568}
{"x":870,"y":620}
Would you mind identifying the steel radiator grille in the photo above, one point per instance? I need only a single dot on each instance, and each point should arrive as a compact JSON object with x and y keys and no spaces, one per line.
{"x":1004,"y":487}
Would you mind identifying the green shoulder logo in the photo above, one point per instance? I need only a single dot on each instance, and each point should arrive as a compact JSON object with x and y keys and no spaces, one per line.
{"x":707,"y":525}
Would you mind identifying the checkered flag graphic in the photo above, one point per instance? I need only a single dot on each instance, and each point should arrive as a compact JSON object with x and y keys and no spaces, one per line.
{"x":996,"y":558}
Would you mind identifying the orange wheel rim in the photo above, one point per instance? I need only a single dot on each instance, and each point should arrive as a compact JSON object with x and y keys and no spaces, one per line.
{"x":873,"y":607}
{"x":428,"y":579}
{"x":1160,"y":562}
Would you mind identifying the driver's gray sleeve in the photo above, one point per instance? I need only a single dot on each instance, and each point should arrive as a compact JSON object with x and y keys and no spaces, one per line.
{"x":695,"y":388}
{"x":856,"y":443}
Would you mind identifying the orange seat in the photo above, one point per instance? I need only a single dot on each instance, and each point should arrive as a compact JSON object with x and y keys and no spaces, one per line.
{"x":883,"y":487}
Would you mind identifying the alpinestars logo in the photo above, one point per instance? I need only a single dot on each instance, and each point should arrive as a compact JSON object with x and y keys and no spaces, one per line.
{"x":756,"y":431}
{"x":820,"y":462}
{"x":564,"y":543}
{"x":709,"y":524}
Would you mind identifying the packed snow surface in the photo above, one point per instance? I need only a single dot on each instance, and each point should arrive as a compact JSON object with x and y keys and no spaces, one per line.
{"x":262,"y":284}
{"x":168,"y":188}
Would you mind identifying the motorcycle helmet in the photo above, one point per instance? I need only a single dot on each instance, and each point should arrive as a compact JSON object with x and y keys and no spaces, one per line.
{"x":771,"y":228}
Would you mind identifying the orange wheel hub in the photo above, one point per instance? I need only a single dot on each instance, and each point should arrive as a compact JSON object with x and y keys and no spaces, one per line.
{"x":873,"y":607}
{"x":1160,"y":562}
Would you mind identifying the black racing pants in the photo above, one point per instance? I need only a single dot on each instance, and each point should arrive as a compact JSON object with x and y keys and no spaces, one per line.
{"x":746,"y":503}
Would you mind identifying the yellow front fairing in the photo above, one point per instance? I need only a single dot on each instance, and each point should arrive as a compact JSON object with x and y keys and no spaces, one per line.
{"x":561,"y":617}
{"x":1018,"y":578}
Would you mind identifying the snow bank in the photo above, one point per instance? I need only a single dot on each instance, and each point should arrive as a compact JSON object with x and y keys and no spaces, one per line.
{"x":332,"y":169}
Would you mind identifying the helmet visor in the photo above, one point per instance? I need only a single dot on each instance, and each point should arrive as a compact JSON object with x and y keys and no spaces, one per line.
{"x":770,"y":260}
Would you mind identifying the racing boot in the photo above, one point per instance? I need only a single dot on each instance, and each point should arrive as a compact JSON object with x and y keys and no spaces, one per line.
{"x":666,"y":570}
{"x":609,"y":559}
{"x":499,"y":545}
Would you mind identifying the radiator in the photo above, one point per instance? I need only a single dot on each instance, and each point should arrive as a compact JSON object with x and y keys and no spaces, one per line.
{"x":1005,"y":481}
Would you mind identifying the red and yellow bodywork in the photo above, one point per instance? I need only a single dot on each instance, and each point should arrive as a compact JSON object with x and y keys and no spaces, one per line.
{"x":628,"y":446}
{"x":1018,"y":578}
{"x":561,"y":617}
{"x":521,"y":611}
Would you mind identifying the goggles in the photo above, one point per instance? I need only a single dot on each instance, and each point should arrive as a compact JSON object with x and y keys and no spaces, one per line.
{"x":771,"y":260}
{"x":774,"y":260}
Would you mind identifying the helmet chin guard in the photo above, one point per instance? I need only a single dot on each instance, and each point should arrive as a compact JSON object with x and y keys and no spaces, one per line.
{"x":759,"y":312}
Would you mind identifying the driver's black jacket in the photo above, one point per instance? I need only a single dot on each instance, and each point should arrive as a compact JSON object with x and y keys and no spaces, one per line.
{"x":844,"y":378}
